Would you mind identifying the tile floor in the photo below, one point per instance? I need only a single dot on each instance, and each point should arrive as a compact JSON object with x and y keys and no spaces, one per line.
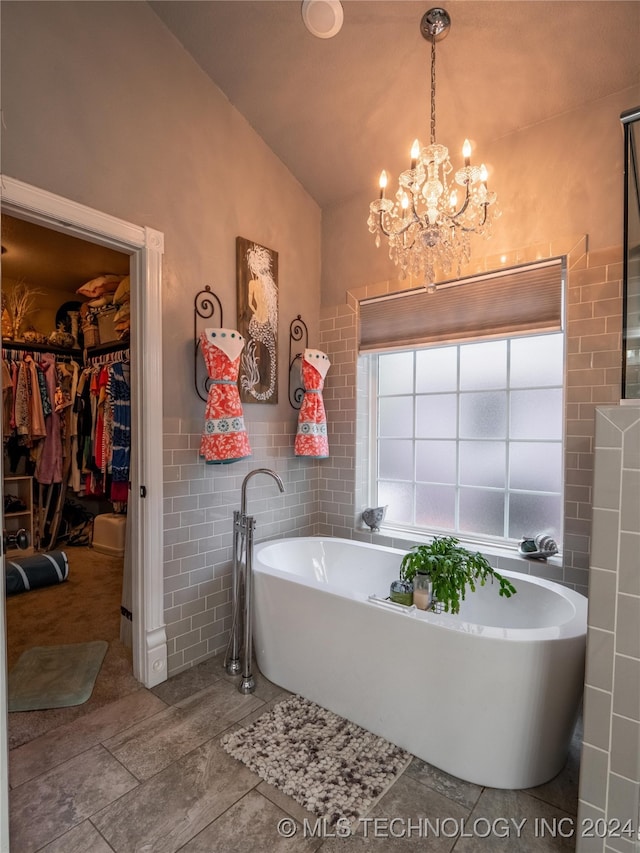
{"x":147,"y":774}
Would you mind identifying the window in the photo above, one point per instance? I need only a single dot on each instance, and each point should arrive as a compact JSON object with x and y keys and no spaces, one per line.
{"x":467,"y":437}
{"x":465,"y":418}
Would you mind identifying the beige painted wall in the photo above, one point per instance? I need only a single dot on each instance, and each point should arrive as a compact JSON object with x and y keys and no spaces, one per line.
{"x":102,"y":105}
{"x":558,"y":179}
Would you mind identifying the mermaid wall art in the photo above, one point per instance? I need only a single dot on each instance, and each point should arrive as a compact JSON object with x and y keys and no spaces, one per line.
{"x":257,"y":273}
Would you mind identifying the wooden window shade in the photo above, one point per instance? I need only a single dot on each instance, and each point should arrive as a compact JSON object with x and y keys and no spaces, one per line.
{"x":521,"y":300}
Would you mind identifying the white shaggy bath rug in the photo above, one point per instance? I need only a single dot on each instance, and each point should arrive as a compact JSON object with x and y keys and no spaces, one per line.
{"x":330,"y":766}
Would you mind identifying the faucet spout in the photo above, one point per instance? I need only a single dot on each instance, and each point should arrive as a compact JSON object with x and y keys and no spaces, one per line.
{"x":243,"y":491}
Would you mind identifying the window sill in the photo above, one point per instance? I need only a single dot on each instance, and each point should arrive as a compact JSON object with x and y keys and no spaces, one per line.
{"x":500,"y":556}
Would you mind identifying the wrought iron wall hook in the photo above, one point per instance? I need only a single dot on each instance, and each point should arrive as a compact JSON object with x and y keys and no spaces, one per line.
{"x":297,"y":331}
{"x":204,"y":308}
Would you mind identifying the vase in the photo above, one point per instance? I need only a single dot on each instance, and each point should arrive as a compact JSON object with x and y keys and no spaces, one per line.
{"x":401,"y":592}
{"x":74,"y":320}
{"x":422,"y":591}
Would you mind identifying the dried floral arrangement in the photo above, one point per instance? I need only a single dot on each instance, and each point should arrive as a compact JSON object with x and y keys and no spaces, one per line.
{"x":18,"y":302}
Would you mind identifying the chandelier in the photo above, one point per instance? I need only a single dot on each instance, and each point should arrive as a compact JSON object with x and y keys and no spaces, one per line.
{"x":429,"y":223}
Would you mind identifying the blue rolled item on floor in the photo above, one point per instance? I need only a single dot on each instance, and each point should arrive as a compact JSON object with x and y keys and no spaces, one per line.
{"x":26,"y":573}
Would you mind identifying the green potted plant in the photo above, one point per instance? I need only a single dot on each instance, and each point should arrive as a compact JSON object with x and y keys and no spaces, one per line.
{"x":452,"y":569}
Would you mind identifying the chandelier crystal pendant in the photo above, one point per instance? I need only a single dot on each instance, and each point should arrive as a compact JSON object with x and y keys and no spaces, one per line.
{"x":429,"y":223}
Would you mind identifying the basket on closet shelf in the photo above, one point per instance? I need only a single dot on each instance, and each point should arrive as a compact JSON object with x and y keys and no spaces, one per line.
{"x":91,"y":335}
{"x":106,"y":324}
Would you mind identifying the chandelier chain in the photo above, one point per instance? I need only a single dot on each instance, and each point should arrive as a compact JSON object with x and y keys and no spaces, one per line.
{"x":433,"y":91}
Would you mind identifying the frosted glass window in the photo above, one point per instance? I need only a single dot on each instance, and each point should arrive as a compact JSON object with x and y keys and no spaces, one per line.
{"x":399,"y":499}
{"x":396,"y":417}
{"x":396,"y":460}
{"x":395,"y":373}
{"x":536,"y":414}
{"x":483,"y":366}
{"x":437,"y":370}
{"x":437,"y":416}
{"x":436,"y":461}
{"x":483,"y":463}
{"x":530,"y":515}
{"x":536,"y":466}
{"x":436,"y":507}
{"x":482,"y":511}
{"x":470,"y":437}
{"x":537,"y":361}
{"x":483,"y":415}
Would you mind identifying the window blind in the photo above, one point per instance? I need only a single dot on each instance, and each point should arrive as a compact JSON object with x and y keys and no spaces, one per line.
{"x":521,"y":300}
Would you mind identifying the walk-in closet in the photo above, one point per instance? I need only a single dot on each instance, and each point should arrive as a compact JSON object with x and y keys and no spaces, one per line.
{"x":66,"y":450}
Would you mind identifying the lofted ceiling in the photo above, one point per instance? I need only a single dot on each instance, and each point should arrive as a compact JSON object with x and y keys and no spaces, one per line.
{"x":338,"y":110}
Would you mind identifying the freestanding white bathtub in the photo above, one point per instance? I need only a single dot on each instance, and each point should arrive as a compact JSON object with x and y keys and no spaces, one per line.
{"x":490,"y":695}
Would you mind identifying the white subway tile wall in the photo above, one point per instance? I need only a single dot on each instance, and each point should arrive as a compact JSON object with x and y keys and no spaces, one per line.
{"x":610,"y":770}
{"x":199,"y":501}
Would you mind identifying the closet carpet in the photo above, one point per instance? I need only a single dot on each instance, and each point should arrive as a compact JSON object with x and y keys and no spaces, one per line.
{"x":85,"y":607}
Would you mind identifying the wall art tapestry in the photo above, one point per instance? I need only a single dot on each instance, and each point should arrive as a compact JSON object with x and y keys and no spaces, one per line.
{"x":257,"y":278}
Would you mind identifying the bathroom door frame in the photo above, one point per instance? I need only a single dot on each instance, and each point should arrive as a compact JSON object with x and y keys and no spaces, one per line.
{"x":145,"y":247}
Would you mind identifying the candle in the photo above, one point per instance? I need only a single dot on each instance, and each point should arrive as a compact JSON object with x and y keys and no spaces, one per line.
{"x":466,"y":152}
{"x":415,"y":153}
{"x":383,"y":182}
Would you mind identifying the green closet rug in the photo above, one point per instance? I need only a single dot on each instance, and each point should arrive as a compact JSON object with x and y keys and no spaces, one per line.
{"x":55,"y":676}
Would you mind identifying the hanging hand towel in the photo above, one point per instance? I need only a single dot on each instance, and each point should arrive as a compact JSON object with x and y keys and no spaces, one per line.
{"x":311,"y":437}
{"x":224,"y":438}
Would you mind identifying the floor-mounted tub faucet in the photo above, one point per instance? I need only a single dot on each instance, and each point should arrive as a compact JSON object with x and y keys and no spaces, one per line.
{"x":243,"y":491}
{"x":243,"y":527}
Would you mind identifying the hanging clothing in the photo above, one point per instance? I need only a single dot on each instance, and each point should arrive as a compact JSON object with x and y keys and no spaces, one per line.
{"x":22,"y":404}
{"x":49,"y":467}
{"x":38,"y":425}
{"x":7,"y":398}
{"x":119,"y":393}
{"x":82,"y":408}
{"x":224,"y":438}
{"x":311,"y":437}
{"x":63,"y":419}
{"x":26,"y":406}
{"x":100,"y":429}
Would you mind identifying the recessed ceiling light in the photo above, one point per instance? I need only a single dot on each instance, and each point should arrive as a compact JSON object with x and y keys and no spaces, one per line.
{"x":323,"y":18}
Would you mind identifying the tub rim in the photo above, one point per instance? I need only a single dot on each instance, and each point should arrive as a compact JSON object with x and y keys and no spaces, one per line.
{"x":575,"y":626}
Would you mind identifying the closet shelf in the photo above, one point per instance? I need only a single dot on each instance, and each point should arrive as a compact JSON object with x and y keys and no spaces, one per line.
{"x":99,"y":349}
{"x":23,"y":346}
{"x":110,"y":346}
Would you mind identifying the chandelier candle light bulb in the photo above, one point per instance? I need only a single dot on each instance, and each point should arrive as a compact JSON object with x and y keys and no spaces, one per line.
{"x":466,"y":152}
{"x":426,"y":230}
{"x":415,"y":153}
{"x":383,"y":182}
